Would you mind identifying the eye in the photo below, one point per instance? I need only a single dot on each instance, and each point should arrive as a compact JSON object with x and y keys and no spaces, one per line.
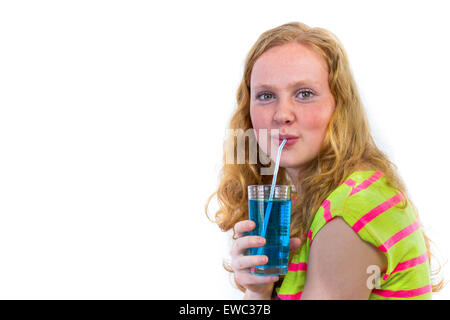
{"x":264,"y":96}
{"x":305,"y":94}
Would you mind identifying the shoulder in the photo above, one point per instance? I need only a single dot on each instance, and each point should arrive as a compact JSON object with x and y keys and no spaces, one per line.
{"x":360,"y":198}
{"x":370,"y":185}
{"x":338,"y":263}
{"x":367,"y":203}
{"x":360,"y":192}
{"x":363,"y":222}
{"x":372,"y":207}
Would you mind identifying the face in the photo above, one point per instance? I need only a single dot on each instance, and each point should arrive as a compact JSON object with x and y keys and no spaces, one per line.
{"x":289,"y":91}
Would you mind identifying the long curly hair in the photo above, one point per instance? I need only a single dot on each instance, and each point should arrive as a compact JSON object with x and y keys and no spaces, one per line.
{"x":347,"y":144}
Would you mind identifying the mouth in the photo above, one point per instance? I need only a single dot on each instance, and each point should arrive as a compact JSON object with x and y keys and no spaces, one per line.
{"x":291,"y":140}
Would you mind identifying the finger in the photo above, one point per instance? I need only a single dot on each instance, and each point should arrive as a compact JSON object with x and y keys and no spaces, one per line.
{"x":246,"y":242}
{"x":294,"y":244}
{"x":255,"y":279}
{"x":243,"y":226}
{"x":246,"y":279}
{"x":246,"y":262}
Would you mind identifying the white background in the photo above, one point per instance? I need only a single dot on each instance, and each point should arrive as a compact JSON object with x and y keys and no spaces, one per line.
{"x":113,"y":115}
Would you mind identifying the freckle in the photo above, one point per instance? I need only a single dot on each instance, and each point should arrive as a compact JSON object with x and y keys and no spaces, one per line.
{"x":315,"y":121}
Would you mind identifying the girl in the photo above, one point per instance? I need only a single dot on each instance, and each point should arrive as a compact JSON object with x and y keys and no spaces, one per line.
{"x":351,"y":216}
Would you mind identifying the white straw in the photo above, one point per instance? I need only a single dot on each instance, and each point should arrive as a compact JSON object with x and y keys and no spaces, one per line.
{"x":272,"y":190}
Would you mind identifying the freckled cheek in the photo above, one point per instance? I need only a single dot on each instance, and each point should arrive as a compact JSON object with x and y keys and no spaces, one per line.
{"x":260,"y":120}
{"x":314,"y":120}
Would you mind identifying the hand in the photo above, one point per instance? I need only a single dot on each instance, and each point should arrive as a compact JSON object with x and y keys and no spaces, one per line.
{"x":261,"y":286}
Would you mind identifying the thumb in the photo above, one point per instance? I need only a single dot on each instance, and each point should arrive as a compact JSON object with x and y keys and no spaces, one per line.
{"x":294,"y":243}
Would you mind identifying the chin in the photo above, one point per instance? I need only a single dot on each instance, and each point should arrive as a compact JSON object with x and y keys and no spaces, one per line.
{"x":292,"y":164}
{"x":288,"y":164}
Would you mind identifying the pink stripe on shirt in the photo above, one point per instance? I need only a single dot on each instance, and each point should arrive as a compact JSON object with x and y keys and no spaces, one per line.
{"x":375,"y":212}
{"x":350,"y":182}
{"x":366,"y":183}
{"x":295,"y":296}
{"x":301,"y":266}
{"x":310,"y":237}
{"x":402,"y":293}
{"x":327,"y":214}
{"x":399,"y":236}
{"x":408,"y":264}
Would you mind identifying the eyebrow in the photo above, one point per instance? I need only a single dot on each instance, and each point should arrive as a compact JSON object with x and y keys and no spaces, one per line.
{"x":290,"y":85}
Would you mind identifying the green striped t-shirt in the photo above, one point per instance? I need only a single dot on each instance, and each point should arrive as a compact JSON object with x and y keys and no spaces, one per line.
{"x":371,"y":207}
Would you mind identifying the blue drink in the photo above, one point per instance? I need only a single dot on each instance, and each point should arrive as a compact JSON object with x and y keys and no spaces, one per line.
{"x":277,"y":230}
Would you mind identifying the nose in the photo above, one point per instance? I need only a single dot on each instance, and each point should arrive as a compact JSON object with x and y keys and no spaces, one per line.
{"x":283,"y":113}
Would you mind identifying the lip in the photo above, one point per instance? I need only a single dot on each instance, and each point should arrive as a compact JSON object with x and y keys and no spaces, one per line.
{"x":287,"y":136}
{"x":291,"y":140}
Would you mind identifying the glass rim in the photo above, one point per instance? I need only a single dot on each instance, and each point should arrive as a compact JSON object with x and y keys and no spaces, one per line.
{"x":265,"y":185}
{"x":262,"y":191}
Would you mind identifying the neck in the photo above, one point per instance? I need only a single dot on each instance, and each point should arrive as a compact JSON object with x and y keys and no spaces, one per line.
{"x":293,"y":174}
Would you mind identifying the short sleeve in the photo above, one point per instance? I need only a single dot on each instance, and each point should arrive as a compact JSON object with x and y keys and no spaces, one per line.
{"x":380,"y":216}
{"x":374,"y":210}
